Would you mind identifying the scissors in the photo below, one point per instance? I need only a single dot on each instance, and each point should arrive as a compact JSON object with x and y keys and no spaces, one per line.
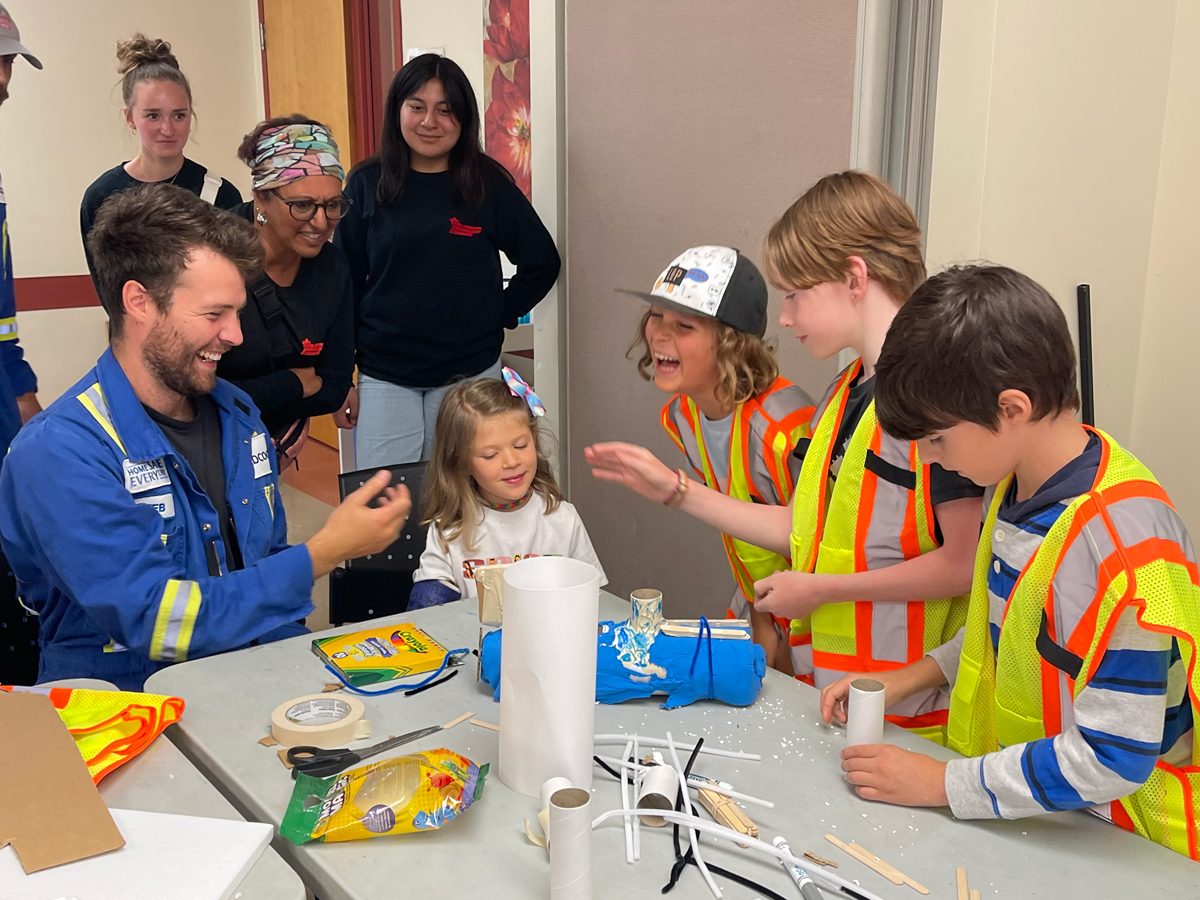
{"x":321,"y":763}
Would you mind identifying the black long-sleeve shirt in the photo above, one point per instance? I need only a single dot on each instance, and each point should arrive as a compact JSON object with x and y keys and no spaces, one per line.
{"x":431,"y":301}
{"x":116,"y":179}
{"x":318,"y":315}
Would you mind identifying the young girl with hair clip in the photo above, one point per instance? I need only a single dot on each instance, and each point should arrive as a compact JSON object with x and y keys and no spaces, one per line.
{"x":732,"y":415}
{"x":158,"y":109}
{"x":490,"y":495}
{"x":431,"y":214}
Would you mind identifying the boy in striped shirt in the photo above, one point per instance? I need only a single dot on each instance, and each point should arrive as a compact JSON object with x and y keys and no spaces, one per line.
{"x":1074,"y":682}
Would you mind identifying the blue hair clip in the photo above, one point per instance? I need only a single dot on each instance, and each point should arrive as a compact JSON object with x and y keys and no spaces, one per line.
{"x":518,"y":387}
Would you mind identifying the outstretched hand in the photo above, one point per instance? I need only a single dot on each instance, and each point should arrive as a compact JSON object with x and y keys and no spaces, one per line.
{"x":635,"y":467}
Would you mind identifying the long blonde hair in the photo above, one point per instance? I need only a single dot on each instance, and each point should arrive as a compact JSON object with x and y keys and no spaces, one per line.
{"x":746,"y":365}
{"x":453,"y":505}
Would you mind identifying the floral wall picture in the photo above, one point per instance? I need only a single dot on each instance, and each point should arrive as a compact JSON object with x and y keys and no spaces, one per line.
{"x":506,"y":88}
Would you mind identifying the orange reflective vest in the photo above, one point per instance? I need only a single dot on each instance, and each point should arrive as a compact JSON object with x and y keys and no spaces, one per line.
{"x":1014,"y":696}
{"x":110,"y":727}
{"x":765,"y":431}
{"x":868,"y":522}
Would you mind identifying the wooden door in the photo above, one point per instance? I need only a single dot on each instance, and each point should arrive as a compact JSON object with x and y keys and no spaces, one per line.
{"x":308,"y":72}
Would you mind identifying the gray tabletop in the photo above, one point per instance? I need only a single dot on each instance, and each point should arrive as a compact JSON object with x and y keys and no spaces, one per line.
{"x":485,"y":853}
{"x":160,"y":779}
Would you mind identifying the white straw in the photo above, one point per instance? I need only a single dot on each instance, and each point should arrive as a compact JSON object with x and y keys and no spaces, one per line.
{"x":831,"y":882}
{"x":657,"y":742}
{"x":637,"y":792}
{"x":695,"y":782}
{"x":625,"y":803}
{"x":693,"y":835}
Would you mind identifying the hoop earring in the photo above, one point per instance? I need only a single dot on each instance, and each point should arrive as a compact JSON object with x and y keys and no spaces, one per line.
{"x":259,"y":217}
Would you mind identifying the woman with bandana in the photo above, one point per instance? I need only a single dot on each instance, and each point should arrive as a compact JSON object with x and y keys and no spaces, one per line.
{"x":296,"y":358}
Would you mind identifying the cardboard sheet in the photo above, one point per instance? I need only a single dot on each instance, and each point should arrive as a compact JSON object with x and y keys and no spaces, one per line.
{"x":52,"y":812}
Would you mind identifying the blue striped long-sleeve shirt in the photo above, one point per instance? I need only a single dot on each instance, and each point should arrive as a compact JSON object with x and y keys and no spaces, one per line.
{"x":1133,"y":711}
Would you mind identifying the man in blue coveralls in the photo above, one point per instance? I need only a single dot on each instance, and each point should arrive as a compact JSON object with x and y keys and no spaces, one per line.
{"x":141,"y":512}
{"x":18,"y":401}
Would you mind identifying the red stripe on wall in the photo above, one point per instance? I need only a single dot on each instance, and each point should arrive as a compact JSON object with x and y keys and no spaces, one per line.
{"x":55,"y":292}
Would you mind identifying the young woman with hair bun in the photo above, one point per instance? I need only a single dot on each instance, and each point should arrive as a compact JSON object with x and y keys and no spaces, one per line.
{"x":158,"y":109}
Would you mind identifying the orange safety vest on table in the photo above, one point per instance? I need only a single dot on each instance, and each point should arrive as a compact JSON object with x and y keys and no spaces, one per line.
{"x":110,"y":727}
{"x":867,"y":522}
{"x":1014,"y":695}
{"x":766,"y":429}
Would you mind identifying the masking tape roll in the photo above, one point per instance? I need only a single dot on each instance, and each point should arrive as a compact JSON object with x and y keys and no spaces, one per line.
{"x":319,"y":720}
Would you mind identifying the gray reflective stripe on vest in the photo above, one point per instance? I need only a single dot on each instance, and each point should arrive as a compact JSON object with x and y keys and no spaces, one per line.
{"x":8,"y":329}
{"x":757,"y":457}
{"x":690,"y":448}
{"x":212,"y":184}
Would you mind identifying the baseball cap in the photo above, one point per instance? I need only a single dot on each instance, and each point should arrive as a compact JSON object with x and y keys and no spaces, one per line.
{"x":716,"y":282}
{"x":10,"y":39}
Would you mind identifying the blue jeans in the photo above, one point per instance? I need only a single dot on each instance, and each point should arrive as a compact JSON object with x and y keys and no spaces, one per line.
{"x":396,"y":424}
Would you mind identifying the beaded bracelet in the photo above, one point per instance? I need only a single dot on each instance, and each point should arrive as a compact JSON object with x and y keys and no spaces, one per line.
{"x":681,"y":489}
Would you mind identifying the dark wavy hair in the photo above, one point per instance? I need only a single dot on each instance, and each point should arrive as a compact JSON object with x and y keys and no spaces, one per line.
{"x":470,"y":168}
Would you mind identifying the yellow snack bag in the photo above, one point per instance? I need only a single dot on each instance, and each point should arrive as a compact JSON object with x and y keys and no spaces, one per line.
{"x":421,"y":792}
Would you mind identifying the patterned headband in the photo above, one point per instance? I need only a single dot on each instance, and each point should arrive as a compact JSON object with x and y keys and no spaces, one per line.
{"x":290,"y":152}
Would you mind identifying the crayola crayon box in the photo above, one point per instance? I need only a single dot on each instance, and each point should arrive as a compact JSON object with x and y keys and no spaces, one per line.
{"x":380,"y":654}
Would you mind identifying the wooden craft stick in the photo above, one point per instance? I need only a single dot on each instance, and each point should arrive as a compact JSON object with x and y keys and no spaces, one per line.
{"x":715,"y":623}
{"x":457,"y":721}
{"x":819,"y":860}
{"x":960,"y":875}
{"x":866,"y":859}
{"x":975,"y":895}
{"x":725,"y":812}
{"x":483,"y":724}
{"x":718,"y":634}
{"x":904,"y":879}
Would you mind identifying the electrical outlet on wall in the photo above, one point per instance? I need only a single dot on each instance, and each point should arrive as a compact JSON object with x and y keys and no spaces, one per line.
{"x":413,"y":52}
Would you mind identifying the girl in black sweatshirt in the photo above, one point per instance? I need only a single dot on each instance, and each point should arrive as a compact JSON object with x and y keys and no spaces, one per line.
{"x":429,"y":216}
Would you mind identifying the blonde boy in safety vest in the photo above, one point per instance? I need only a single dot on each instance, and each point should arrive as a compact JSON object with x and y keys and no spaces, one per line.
{"x":880,"y":542}
{"x":1074,"y":682}
{"x":734,"y":418}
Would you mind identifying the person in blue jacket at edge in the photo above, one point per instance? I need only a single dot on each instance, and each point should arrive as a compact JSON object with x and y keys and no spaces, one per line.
{"x":141,"y":511}
{"x":18,"y":398}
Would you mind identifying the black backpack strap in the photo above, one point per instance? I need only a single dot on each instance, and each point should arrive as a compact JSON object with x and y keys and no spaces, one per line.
{"x":272,"y":312}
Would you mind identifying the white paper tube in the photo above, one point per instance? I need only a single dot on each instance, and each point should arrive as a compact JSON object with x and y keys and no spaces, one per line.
{"x":570,"y":845}
{"x":659,"y":742}
{"x":864,"y":713}
{"x":548,"y":673}
{"x":660,"y":788}
{"x":552,"y":785}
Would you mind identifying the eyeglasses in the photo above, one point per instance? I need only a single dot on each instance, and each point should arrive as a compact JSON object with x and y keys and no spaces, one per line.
{"x":303,"y":210}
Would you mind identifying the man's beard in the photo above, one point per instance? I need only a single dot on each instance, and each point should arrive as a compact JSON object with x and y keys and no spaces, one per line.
{"x":169,"y":359}
{"x":3,"y":93}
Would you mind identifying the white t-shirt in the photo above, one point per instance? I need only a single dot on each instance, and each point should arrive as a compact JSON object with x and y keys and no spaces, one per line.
{"x":505,"y":537}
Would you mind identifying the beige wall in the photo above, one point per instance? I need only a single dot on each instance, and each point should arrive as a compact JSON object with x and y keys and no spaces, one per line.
{"x":687,"y":123}
{"x":1047,"y":140}
{"x":1166,"y":429}
{"x":62,"y":127}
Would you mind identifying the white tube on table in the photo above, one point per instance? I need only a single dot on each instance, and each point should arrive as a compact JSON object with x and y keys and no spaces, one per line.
{"x":571,"y":845}
{"x":548,"y":672}
{"x":864,"y":712}
{"x":548,"y":789}
{"x":660,"y":789}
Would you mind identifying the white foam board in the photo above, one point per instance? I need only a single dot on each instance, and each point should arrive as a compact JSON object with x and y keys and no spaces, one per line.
{"x":165,"y":857}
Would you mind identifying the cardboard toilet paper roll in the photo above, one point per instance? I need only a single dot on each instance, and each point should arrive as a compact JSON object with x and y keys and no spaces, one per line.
{"x":319,"y":720}
{"x":548,"y":789}
{"x":571,"y":845}
{"x":660,"y":788}
{"x":864,"y":712}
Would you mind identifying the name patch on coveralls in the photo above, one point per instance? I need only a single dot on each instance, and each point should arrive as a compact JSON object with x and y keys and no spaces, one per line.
{"x":260,"y":456}
{"x":164,"y":504}
{"x":144,"y":476}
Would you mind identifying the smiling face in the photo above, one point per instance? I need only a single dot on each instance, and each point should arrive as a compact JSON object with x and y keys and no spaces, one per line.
{"x":303,"y":238}
{"x":429,"y":127}
{"x":823,"y":317}
{"x":183,"y":345}
{"x":503,"y":457}
{"x":684,"y":350}
{"x":161,"y":114}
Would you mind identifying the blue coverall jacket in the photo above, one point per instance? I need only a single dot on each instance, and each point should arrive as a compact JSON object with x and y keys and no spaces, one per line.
{"x":117,"y":547}
{"x":16,"y":377}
